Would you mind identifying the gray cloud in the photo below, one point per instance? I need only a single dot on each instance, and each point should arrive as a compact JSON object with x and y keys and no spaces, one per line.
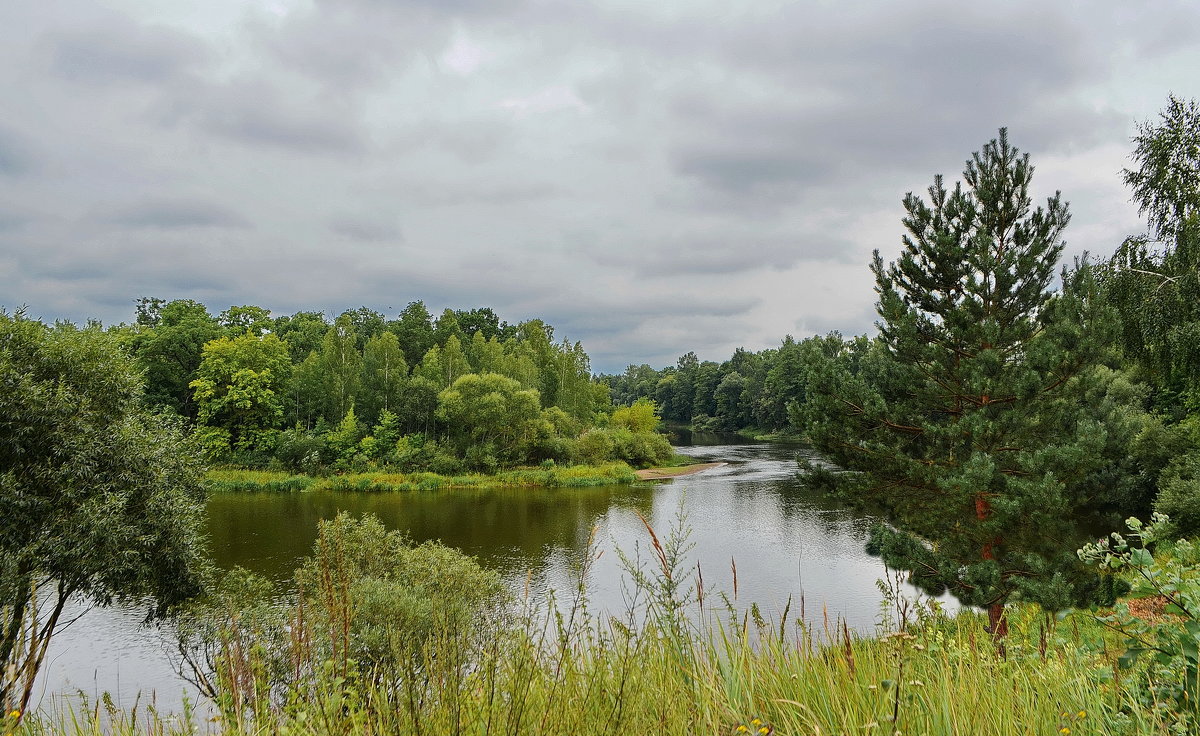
{"x":124,"y":52}
{"x":650,"y":178}
{"x":18,"y":154}
{"x":172,"y":214}
{"x":367,"y":229}
{"x":256,"y":113}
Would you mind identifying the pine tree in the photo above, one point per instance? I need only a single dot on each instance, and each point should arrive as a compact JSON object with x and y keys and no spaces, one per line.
{"x":964,"y":424}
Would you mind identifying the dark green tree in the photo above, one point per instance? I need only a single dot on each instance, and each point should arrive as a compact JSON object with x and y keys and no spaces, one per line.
{"x":384,"y":376}
{"x":100,"y":500}
{"x":414,"y":327}
{"x":168,"y":349}
{"x":303,"y":332}
{"x":246,"y":318}
{"x":965,"y":427}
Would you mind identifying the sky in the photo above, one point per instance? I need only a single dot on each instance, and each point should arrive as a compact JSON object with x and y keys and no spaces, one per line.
{"x":651,"y":178}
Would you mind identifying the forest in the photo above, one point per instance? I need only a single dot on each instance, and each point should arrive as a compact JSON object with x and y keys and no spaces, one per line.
{"x":464,"y":391}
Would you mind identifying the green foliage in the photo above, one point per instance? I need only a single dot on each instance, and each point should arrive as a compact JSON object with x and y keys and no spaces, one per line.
{"x":375,"y":598}
{"x":246,"y":319}
{"x":384,"y":377}
{"x":963,"y":423}
{"x":640,"y":449}
{"x":1166,"y":184}
{"x":302,"y":331}
{"x":340,"y":367}
{"x":594,"y":446}
{"x":168,"y":349}
{"x":1173,"y":640}
{"x":99,"y":499}
{"x":491,"y":409}
{"x":1153,"y":284}
{"x":1179,"y":495}
{"x":414,"y":329}
{"x":641,"y":416}
{"x":240,"y":385}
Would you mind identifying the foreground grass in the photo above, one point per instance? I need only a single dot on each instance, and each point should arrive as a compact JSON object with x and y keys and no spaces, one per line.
{"x":943,"y":677}
{"x":244,"y":480}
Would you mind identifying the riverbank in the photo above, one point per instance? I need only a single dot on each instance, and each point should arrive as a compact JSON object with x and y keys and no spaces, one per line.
{"x":241,"y":480}
{"x":675,"y":472}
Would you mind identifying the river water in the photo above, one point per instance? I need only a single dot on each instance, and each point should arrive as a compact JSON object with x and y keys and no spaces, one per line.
{"x":752,"y":514}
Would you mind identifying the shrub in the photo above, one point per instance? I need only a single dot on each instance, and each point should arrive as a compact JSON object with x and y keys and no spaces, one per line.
{"x":594,"y":447}
{"x":1179,"y":494}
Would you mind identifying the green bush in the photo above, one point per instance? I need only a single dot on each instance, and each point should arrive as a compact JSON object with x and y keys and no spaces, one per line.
{"x":388,"y":595}
{"x":641,"y":449}
{"x":1179,"y":494}
{"x":594,"y":447}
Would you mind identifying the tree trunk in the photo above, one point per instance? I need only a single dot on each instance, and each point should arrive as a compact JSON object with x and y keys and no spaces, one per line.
{"x":998,"y":626}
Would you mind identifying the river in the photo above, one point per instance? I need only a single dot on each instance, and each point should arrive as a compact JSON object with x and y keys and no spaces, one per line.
{"x":752,"y":514}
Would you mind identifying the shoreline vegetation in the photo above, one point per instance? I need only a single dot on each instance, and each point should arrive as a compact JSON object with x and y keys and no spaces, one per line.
{"x":244,"y":480}
{"x":241,"y":480}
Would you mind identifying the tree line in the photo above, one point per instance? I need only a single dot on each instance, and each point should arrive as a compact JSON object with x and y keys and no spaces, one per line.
{"x":462,"y":391}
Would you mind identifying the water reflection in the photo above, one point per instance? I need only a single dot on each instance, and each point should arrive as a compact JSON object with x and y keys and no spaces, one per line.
{"x":786,"y":543}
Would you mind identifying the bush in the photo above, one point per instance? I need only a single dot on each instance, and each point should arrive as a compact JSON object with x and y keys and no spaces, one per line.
{"x":444,"y":463}
{"x":482,"y":458}
{"x":594,"y":447}
{"x":390,"y":595}
{"x":1179,"y":494}
{"x":641,"y":449}
{"x":299,"y":450}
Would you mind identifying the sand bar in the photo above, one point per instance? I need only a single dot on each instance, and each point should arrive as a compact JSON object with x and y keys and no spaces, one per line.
{"x":660,"y":473}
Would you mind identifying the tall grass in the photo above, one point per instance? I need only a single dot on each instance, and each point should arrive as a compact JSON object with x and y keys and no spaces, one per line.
{"x":611,"y":678}
{"x":669,"y":665}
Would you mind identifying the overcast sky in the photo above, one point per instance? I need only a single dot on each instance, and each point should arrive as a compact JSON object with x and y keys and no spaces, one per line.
{"x":649,"y":177}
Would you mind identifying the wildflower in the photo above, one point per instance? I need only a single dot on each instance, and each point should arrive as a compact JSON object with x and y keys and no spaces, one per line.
{"x":765,"y":730}
{"x":755,"y":722}
{"x":1064,"y":730}
{"x":15,"y":714}
{"x":743,"y":729}
{"x":1081,"y":714}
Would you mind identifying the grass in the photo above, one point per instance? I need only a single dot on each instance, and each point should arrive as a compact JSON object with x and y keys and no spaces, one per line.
{"x":241,"y":480}
{"x":559,"y":669}
{"x":612,"y":677}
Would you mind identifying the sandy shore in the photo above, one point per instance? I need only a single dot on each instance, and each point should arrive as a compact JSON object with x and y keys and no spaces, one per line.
{"x":659,"y":473}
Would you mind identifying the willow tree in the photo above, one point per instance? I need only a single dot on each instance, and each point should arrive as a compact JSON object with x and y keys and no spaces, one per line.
{"x":964,"y":424}
{"x":100,"y":500}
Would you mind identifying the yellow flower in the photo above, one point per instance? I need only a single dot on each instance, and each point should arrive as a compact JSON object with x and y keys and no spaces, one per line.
{"x":15,"y":714}
{"x":1064,"y":730}
{"x":1081,"y":714}
{"x":764,"y":730}
{"x":755,"y":722}
{"x":743,"y":729}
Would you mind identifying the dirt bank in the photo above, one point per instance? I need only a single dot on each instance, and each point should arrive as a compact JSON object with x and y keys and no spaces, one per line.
{"x":660,"y":473}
